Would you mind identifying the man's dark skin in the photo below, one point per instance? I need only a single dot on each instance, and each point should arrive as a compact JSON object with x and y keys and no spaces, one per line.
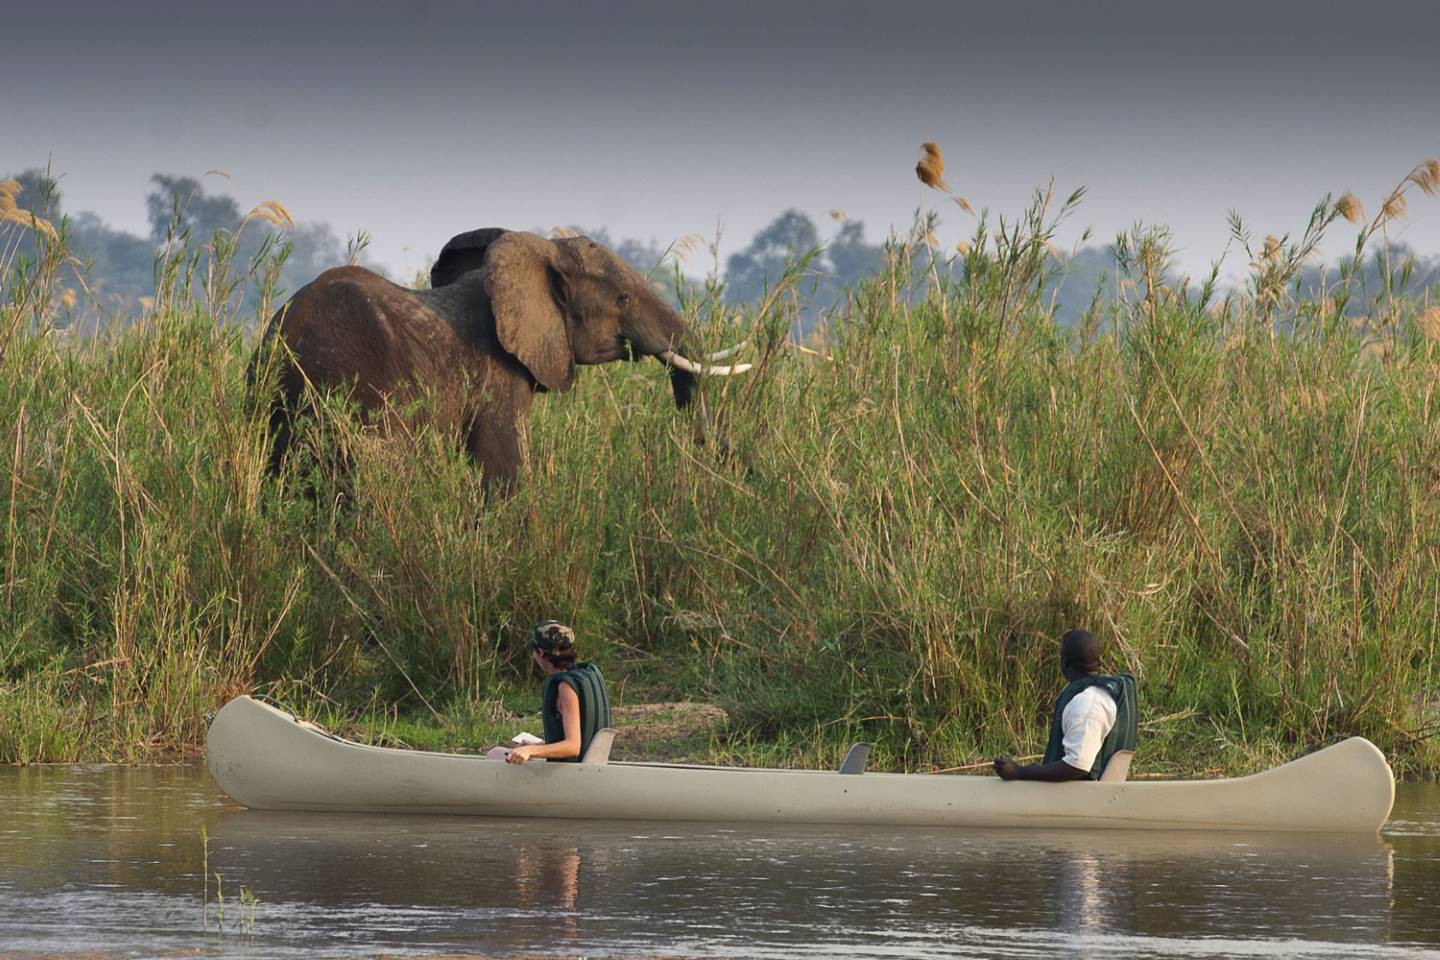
{"x":1079,"y":657}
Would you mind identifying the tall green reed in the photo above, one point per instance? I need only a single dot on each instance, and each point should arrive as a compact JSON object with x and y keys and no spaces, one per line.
{"x":879,"y":536}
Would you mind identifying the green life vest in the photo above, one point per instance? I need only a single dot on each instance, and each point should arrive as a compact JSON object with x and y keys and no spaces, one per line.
{"x":1121,"y":736}
{"x":589,"y":686}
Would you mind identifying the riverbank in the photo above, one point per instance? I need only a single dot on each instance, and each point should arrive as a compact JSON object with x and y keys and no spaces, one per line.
{"x":878,"y":538}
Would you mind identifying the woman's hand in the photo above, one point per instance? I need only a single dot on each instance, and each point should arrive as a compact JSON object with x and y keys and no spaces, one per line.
{"x":565,"y":749}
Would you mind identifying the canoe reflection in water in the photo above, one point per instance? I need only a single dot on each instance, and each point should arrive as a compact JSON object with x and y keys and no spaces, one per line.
{"x":589,"y":884}
{"x":548,"y":878}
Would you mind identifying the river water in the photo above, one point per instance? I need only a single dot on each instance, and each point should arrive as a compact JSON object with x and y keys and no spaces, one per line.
{"x":109,"y":861}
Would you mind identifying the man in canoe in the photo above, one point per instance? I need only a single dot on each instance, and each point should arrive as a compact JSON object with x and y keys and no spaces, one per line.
{"x":574,"y":705}
{"x":1094,"y":718}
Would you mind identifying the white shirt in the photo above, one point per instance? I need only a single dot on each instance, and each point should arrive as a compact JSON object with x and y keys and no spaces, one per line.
{"x":1085,"y":722}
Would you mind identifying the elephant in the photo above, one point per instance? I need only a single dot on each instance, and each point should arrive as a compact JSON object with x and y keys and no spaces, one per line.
{"x":508,"y":314}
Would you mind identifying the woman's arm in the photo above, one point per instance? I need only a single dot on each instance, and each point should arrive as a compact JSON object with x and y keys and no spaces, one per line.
{"x":569,"y":704}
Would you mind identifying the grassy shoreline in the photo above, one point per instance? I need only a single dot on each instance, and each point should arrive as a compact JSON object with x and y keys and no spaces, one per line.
{"x":878,"y":542}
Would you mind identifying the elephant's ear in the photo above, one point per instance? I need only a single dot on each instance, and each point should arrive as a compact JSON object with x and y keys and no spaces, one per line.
{"x":522,"y":281}
{"x":463,"y":253}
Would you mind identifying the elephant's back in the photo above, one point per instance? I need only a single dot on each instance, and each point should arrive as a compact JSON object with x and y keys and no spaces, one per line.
{"x":464,"y":306}
{"x":351,"y":325}
{"x":342,"y":298}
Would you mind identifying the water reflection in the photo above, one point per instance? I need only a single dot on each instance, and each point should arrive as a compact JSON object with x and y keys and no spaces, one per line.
{"x":123,"y":847}
{"x":597,"y":881}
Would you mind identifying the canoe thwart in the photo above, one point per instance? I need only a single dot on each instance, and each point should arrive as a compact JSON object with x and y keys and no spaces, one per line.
{"x":1118,"y":768}
{"x":855,"y":758}
{"x":599,"y":750}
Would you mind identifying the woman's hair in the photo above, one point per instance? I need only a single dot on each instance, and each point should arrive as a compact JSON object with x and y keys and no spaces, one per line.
{"x":556,"y":642}
{"x":564,"y":659}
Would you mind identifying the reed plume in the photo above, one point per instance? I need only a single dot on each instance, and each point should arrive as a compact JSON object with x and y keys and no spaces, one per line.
{"x":931,"y":168}
{"x":272,"y":212}
{"x":11,"y":212}
{"x":1395,"y":206}
{"x":1429,"y":324}
{"x":1348,"y":206}
{"x":1426,"y":176}
{"x":27,"y":219}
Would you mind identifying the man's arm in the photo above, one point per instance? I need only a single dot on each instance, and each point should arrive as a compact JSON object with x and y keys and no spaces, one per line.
{"x":569,"y":704}
{"x":1057,"y":772}
{"x":1087,"y":719}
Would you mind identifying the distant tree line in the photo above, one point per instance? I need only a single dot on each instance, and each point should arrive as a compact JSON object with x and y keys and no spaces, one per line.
{"x":118,"y":268}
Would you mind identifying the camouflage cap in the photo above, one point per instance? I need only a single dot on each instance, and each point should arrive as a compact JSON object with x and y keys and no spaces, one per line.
{"x":552,"y":636}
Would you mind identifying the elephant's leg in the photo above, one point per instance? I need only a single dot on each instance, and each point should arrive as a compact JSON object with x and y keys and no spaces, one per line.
{"x":494,"y":445}
{"x":282,"y":432}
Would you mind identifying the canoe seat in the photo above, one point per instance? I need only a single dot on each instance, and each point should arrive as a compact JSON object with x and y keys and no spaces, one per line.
{"x":598,"y":752}
{"x":855,"y":758}
{"x":1118,"y":768}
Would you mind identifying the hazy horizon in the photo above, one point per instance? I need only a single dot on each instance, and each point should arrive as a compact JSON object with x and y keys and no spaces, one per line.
{"x":654,"y":123}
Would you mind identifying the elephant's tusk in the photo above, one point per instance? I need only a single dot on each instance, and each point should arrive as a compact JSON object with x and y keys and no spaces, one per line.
{"x":680,"y":363}
{"x":728,"y":352}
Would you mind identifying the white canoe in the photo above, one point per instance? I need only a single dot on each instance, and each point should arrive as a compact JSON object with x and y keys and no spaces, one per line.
{"x":266,"y":759}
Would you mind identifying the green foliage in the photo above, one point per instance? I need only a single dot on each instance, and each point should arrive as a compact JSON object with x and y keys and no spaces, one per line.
{"x":879,"y":542}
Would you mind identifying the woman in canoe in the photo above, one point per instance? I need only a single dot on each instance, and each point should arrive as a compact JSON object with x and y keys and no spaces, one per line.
{"x":574,"y":705}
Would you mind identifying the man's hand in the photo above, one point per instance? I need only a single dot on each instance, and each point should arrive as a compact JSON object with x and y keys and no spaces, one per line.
{"x":1057,"y":771}
{"x":520,"y":754}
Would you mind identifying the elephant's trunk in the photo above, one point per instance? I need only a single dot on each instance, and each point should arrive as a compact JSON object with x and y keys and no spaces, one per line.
{"x":684,"y":372}
{"x":683,"y":382}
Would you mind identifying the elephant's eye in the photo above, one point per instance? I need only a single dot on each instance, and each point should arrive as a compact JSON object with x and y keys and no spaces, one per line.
{"x":623,"y":300}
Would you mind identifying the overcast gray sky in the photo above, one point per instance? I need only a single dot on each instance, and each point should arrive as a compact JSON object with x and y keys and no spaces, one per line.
{"x":416,"y":121}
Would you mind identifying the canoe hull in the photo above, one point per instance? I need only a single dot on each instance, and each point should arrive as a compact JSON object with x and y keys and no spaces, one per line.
{"x":264,"y":759}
